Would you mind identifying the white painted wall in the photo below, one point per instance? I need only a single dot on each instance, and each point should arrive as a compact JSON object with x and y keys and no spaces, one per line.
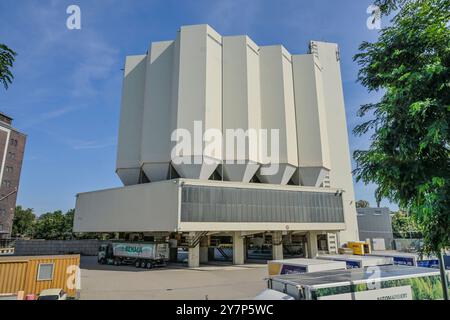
{"x":312,"y":134}
{"x":130,"y":127}
{"x":341,"y":170}
{"x":278,"y":109}
{"x":241,"y":105}
{"x":155,"y":207}
{"x":156,"y":121}
{"x":199,"y":92}
{"x":138,"y":208}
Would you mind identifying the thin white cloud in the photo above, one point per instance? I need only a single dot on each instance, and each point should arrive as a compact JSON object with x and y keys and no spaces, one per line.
{"x":46,"y":116}
{"x":81,"y":144}
{"x":92,"y":144}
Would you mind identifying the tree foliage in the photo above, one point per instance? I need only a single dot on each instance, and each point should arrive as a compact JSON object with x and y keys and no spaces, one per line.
{"x":50,"y":226}
{"x":54,"y":225}
{"x":23,"y":223}
{"x":362,"y":204}
{"x":404,"y":226}
{"x":387,"y":6}
{"x":7,"y":57}
{"x":409,"y":154}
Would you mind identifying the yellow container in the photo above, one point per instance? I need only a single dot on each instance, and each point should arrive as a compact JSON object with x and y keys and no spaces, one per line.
{"x":32,"y":274}
{"x":359,"y":247}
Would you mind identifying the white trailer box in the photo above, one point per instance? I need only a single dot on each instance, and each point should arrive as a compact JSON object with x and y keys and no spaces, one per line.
{"x":141,"y":250}
{"x":355,"y":261}
{"x":290,"y":266}
{"x":410,"y":259}
{"x":389,"y":283}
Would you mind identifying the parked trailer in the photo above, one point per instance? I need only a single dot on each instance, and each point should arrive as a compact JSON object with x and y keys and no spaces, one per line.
{"x":142,"y":255}
{"x":290,"y":266}
{"x":354,"y":261}
{"x":389,"y":283}
{"x":411,"y":259}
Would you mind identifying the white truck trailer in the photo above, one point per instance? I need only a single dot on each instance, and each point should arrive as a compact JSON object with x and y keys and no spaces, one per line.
{"x":390,"y":282}
{"x":356,"y":261}
{"x":411,"y":259}
{"x":142,"y":255}
{"x":300,"y":265}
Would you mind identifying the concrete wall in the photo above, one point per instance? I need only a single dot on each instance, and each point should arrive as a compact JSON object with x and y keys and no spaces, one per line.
{"x":130,"y":127}
{"x":340,"y":163}
{"x":157,"y":119}
{"x":375,"y":223}
{"x":312,"y":134}
{"x":138,"y":208}
{"x":52,"y":247}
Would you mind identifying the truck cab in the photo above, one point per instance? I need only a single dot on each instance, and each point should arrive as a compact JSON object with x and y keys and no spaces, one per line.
{"x":104,"y":253}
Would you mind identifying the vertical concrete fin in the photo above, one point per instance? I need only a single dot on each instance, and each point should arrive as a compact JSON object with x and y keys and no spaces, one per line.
{"x":130,"y":127}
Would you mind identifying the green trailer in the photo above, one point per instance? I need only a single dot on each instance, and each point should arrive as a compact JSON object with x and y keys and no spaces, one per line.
{"x":372,"y":283}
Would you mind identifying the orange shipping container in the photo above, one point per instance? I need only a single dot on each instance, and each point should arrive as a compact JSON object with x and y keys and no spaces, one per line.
{"x":32,"y":274}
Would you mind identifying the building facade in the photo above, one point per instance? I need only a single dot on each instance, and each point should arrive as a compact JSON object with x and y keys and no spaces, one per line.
{"x":375,"y":223}
{"x":12,"y":146}
{"x":298,"y":202}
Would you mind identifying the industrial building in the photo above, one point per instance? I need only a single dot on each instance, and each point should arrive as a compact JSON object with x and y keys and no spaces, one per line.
{"x":203,"y":199}
{"x":375,"y":223}
{"x":12,"y":146}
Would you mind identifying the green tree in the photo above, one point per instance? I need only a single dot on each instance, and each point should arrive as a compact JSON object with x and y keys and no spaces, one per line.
{"x":409,"y":154}
{"x":54,"y":225}
{"x":23,"y":223}
{"x":404,"y":226}
{"x":362,"y":204}
{"x":7,"y":57}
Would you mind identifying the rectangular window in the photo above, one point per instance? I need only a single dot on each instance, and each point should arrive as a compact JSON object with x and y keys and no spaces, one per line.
{"x":222,"y":204}
{"x":322,"y":242}
{"x":11,"y":155}
{"x":1,"y":227}
{"x":6,"y":183}
{"x":9,"y":169}
{"x":13,"y":142}
{"x":45,"y":271}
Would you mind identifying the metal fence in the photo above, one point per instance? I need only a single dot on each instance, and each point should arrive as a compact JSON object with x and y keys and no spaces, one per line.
{"x":225,"y":204}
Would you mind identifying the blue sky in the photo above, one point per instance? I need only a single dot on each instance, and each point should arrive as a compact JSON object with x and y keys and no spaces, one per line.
{"x":66,"y":92}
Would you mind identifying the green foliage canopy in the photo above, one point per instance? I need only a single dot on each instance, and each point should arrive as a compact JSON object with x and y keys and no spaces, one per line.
{"x":409,"y":154}
{"x":7,"y":57}
{"x":23,"y":223}
{"x":362,"y":204}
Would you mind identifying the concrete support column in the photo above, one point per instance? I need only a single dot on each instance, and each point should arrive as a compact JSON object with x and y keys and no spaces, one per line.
{"x":193,"y":253}
{"x":312,"y":244}
{"x":277,"y":246}
{"x":238,"y":248}
{"x":204,"y":245}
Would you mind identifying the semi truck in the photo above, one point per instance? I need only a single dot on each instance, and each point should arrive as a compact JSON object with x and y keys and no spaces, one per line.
{"x":141,"y":255}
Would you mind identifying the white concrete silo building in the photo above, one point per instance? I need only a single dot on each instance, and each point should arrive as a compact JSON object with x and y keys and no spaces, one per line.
{"x":202,"y":195}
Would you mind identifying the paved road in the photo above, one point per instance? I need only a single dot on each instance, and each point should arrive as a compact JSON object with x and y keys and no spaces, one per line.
{"x":174,"y":282}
